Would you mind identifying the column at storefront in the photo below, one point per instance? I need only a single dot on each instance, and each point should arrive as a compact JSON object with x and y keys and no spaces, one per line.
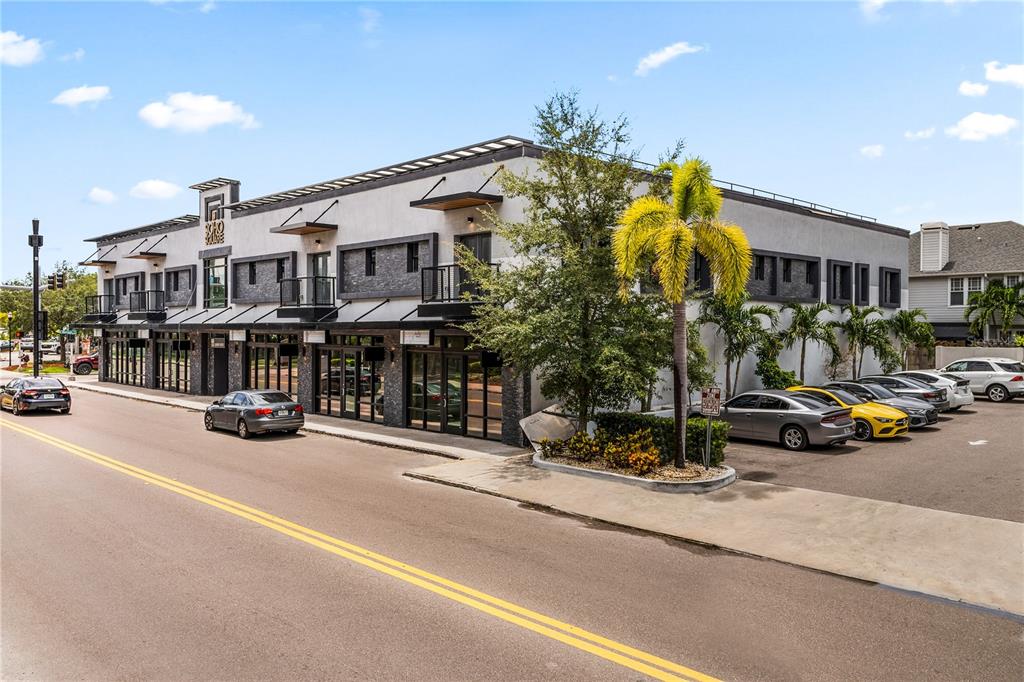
{"x":149,"y":360}
{"x":307,"y":382}
{"x":515,"y":405}
{"x":236,"y":359}
{"x":394,"y":380}
{"x":196,"y":375}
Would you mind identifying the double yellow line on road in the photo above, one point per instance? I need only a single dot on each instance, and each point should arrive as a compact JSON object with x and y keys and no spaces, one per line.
{"x":624,"y":655}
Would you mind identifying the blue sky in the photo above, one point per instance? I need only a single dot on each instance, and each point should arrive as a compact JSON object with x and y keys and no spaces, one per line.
{"x":908,"y":112}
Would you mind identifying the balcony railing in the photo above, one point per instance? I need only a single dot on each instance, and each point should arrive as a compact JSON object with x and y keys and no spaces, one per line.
{"x":146,"y":302}
{"x":311,"y":292}
{"x":100,"y":305}
{"x":448,"y":283}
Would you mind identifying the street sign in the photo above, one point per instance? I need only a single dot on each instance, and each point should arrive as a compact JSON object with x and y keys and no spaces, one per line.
{"x":711,"y":401}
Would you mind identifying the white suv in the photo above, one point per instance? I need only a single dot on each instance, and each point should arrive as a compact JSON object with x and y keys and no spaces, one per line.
{"x":998,"y":378}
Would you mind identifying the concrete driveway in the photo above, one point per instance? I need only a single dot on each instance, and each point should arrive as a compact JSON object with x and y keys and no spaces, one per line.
{"x":971,"y":462}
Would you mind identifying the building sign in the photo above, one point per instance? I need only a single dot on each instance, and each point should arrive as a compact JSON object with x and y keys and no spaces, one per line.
{"x":711,"y":401}
{"x":215,"y":232}
{"x":218,"y":342}
{"x":415,"y":337}
{"x":237,"y":334}
{"x":143,"y":334}
{"x":314,"y":336}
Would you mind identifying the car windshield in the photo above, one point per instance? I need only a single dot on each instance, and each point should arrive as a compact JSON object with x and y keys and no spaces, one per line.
{"x":1010,"y":366}
{"x":43,"y":383}
{"x":274,"y":397}
{"x":879,"y":391}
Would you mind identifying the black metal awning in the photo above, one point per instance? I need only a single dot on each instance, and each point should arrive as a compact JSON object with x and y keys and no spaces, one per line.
{"x":448,"y":202}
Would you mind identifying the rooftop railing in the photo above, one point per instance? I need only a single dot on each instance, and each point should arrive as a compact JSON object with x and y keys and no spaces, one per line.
{"x":447,"y":283}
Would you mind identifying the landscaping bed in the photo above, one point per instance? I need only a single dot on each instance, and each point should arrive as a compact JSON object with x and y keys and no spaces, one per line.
{"x":664,"y":472}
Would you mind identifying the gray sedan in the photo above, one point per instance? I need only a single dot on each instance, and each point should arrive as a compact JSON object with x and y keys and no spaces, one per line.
{"x":921,"y":412}
{"x":911,"y":388}
{"x":251,"y":412}
{"x":790,"y":419}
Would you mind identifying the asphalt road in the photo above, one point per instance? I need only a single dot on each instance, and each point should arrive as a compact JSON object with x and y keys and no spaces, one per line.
{"x":108,"y":576}
{"x":971,"y":462}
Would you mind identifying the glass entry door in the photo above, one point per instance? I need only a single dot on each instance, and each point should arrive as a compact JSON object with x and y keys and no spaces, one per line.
{"x":452,"y":400}
{"x":349,"y":385}
{"x":453,"y":392}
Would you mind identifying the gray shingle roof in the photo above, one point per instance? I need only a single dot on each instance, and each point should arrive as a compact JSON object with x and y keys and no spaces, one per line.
{"x":979,"y":248}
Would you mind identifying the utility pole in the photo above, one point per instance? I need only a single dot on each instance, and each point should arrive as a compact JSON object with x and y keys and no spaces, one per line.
{"x":10,"y":339}
{"x":35,"y":240}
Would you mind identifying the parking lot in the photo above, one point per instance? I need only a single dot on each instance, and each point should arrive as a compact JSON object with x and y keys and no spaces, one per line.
{"x":971,"y":462}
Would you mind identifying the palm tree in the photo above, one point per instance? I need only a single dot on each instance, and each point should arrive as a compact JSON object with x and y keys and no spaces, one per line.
{"x":998,"y":304}
{"x":909,"y":330}
{"x":805,"y":326}
{"x":741,"y":328}
{"x":652,"y":229}
{"x":863,"y":333}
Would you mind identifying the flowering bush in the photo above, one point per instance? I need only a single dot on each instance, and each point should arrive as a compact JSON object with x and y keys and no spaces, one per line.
{"x":643,"y":462}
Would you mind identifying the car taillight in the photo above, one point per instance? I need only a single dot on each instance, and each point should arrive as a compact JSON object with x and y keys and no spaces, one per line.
{"x":64,"y":391}
{"x":298,"y":409}
{"x":263,"y":411}
{"x":1017,"y":378}
{"x":29,"y":393}
{"x":932,"y":395}
{"x":832,"y":418}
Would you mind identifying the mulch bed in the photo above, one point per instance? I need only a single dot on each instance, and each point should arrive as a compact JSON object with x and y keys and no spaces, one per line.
{"x":666,"y":472}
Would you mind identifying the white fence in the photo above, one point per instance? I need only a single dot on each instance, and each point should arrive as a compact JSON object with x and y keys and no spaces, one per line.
{"x":947,"y":354}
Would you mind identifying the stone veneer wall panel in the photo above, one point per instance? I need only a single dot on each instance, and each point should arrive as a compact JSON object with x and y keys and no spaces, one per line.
{"x":394,"y":381}
{"x":515,"y":405}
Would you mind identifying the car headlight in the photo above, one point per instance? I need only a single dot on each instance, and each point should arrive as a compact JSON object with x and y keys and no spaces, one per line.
{"x":884,"y":420}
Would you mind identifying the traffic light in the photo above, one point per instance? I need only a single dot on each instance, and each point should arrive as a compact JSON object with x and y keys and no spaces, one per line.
{"x":60,"y":280}
{"x":51,"y":282}
{"x":57,"y":280}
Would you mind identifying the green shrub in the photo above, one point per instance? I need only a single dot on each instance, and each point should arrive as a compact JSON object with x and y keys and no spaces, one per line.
{"x":582,"y":447}
{"x":619,"y":450}
{"x":768,"y":369}
{"x":662,"y":434}
{"x":551,"y":447}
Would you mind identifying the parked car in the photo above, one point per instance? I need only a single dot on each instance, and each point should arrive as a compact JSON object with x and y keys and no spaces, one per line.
{"x":86,"y":364}
{"x":958,"y":389}
{"x":910,"y":387}
{"x":998,"y":378}
{"x":790,"y":419}
{"x":252,"y":412}
{"x":921,"y":412}
{"x":871,"y":420}
{"x":31,"y":393}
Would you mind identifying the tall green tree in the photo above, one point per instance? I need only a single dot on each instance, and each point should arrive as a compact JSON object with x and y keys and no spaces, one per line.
{"x":806,"y":325}
{"x":554,"y":306}
{"x":864,"y":332}
{"x":656,"y":234}
{"x":999,"y":305}
{"x":910,"y":328}
{"x":64,"y":306}
{"x":742,"y":328}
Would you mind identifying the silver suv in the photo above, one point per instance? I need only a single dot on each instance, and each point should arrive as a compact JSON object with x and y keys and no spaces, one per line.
{"x":998,"y":378}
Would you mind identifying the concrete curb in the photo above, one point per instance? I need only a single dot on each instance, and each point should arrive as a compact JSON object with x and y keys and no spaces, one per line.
{"x":399,"y":443}
{"x":683,"y":487}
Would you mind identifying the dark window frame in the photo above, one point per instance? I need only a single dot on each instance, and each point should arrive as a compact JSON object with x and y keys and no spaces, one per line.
{"x":787,"y":270}
{"x":210,"y":265}
{"x":252,"y":273}
{"x":834,"y":297}
{"x":862,"y":284}
{"x":412,"y":257}
{"x":370,"y":260}
{"x":888,"y":295}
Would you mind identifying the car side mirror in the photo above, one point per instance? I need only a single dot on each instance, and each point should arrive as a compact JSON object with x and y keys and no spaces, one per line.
{"x":217,"y":402}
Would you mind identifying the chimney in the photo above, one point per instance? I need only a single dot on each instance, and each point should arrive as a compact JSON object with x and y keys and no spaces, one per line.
{"x":934,"y":246}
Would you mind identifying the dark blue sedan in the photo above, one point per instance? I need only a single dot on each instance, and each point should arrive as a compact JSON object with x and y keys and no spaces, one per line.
{"x":43,"y":393}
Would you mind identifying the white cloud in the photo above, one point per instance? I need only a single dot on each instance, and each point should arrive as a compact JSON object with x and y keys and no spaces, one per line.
{"x":871,"y":8}
{"x":154,"y":189}
{"x":17,"y":50}
{"x":72,"y":97}
{"x":969,"y":89}
{"x":369,"y":19}
{"x":872,"y":151}
{"x":612,"y":78}
{"x":98,"y":195}
{"x":919,"y":134}
{"x":978,"y":127}
{"x":661,"y":57}
{"x":1007,"y":73}
{"x":207,"y":6}
{"x":187,"y":112}
{"x":76,"y":56}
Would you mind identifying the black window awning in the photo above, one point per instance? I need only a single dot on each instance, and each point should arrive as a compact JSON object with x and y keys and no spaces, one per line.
{"x":448,"y":202}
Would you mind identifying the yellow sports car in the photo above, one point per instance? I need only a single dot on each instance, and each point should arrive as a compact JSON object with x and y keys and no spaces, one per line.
{"x":871,"y":420}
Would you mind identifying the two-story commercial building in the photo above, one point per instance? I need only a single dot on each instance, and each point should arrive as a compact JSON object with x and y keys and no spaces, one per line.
{"x":948,"y":263}
{"x":345,"y":295}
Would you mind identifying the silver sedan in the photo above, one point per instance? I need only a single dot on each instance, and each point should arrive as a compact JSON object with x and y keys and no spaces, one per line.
{"x":790,"y":419}
{"x":252,"y":412}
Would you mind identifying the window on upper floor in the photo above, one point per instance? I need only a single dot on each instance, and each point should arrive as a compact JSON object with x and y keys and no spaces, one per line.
{"x":863,"y":284}
{"x":175,"y":280}
{"x":252,"y":272}
{"x":412,"y":257}
{"x":759,"y":268}
{"x":787,"y":270}
{"x":280,"y":269}
{"x":215,"y":282}
{"x":811,"y":273}
{"x":956,"y":290}
{"x":889,"y":287}
{"x":213,"y":206}
{"x":371,"y":262}
{"x":1011,"y":280}
{"x":840,"y":282}
{"x":974,"y":286}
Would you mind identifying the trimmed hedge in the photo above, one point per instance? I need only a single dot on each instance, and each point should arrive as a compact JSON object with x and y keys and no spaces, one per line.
{"x":663,"y":434}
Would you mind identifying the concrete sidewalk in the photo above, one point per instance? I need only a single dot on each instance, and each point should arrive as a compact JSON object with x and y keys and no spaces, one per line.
{"x":970,"y":559}
{"x":442,"y":444}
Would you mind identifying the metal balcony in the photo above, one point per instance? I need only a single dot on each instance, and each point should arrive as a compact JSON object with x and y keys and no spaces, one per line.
{"x":100,"y":308}
{"x":310,"y":299}
{"x":446,"y":291}
{"x":147,"y":305}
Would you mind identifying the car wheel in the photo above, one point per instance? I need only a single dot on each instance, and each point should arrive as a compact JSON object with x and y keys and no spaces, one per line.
{"x":954,"y":409}
{"x":15,"y":410}
{"x":861,"y":430}
{"x":65,"y":410}
{"x":208,"y":421}
{"x":996,"y":393}
{"x":243,"y":429}
{"x":83,"y":368}
{"x":793,"y":438}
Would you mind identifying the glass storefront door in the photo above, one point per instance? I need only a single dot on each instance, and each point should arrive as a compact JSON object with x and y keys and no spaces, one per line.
{"x":452,"y":391}
{"x":349,"y":384}
{"x":453,"y":403}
